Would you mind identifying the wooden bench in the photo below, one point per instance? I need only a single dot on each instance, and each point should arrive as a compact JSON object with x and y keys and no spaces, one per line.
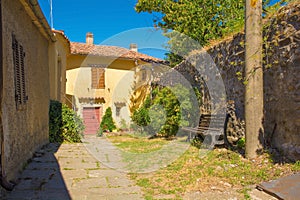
{"x":211,"y":129}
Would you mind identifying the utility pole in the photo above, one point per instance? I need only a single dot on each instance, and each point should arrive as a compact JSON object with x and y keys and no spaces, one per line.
{"x":254,"y":78}
{"x":51,"y":14}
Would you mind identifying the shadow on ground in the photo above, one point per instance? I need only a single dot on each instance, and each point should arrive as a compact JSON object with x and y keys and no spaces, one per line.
{"x":41,"y":178}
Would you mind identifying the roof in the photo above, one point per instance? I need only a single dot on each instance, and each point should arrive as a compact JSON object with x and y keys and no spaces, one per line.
{"x":34,"y":11}
{"x":65,"y":38}
{"x":62,"y":33}
{"x":110,"y":51}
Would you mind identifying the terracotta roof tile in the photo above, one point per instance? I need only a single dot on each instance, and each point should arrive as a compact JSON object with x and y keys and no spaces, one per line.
{"x":110,"y":51}
{"x":62,"y":33}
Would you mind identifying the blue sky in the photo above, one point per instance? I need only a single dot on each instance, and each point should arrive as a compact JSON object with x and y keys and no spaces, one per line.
{"x":113,"y":22}
{"x":106,"y":20}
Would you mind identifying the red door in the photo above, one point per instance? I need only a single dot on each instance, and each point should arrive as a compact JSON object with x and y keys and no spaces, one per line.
{"x":91,"y":118}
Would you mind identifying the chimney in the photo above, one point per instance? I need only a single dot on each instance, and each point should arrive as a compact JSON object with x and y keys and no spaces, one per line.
{"x":89,"y":38}
{"x":133,"y":47}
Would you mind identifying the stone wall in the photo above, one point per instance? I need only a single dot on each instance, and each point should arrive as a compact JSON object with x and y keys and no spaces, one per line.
{"x":282,"y":82}
{"x":25,"y":128}
{"x":281,"y":77}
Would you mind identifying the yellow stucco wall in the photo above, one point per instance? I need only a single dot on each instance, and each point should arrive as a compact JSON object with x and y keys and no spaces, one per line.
{"x":27,"y":129}
{"x":122,"y":76}
{"x":117,"y":89}
{"x":119,"y":80}
{"x":58,"y":53}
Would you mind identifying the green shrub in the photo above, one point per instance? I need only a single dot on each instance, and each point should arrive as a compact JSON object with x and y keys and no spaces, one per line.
{"x":296,"y":166}
{"x":99,"y":132}
{"x":107,"y":123}
{"x":72,"y":125}
{"x":141,"y":116}
{"x":64,"y":124}
{"x":55,"y":121}
{"x":169,"y":108}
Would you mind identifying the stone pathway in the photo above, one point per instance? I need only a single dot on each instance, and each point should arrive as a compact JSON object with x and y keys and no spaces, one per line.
{"x":69,"y":171}
{"x":88,"y":171}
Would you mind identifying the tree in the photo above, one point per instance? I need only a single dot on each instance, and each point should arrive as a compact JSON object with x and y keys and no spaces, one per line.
{"x":107,"y":122}
{"x":200,"y":20}
{"x":254,"y":77}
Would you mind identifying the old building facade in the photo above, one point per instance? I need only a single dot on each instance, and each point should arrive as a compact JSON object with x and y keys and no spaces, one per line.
{"x":33,"y":62}
{"x":58,"y":54}
{"x":101,"y":76}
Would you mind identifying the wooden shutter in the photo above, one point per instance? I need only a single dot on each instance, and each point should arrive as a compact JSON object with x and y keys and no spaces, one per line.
{"x":101,"y":81}
{"x":94,"y":78}
{"x":98,"y":78}
{"x":23,"y":78}
{"x":19,"y":70}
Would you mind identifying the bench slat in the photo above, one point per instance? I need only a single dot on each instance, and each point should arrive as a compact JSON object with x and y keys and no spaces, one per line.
{"x":204,"y":130}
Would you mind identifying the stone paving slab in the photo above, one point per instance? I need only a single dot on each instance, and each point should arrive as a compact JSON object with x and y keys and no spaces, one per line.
{"x":69,"y":171}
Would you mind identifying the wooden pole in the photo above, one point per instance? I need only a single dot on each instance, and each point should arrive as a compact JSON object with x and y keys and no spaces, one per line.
{"x":254,"y":78}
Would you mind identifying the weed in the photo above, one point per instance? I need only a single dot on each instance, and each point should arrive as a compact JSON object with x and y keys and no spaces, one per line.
{"x":91,"y":169}
{"x":210,"y":171}
{"x":296,"y":166}
{"x":241,"y":143}
{"x":144,"y":182}
{"x":148,"y":197}
{"x":106,"y":157}
{"x":68,"y":168}
{"x":246,"y":194}
{"x":98,"y":164}
{"x":76,"y":180}
{"x":24,"y":165}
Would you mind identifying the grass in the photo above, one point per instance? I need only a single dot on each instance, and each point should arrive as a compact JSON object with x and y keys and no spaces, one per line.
{"x":219,"y":168}
{"x":136,"y":144}
{"x":245,"y":191}
{"x":296,"y":166}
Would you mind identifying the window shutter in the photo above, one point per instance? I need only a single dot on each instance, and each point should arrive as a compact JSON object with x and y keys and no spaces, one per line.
{"x":94,"y":78}
{"x":22,"y":72}
{"x":98,"y":78}
{"x":19,"y":70}
{"x":101,"y":82}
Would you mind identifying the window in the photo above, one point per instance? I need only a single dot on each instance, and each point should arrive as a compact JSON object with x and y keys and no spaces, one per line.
{"x":19,"y":73}
{"x":59,"y":79}
{"x":119,"y":106}
{"x":98,"y":78}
